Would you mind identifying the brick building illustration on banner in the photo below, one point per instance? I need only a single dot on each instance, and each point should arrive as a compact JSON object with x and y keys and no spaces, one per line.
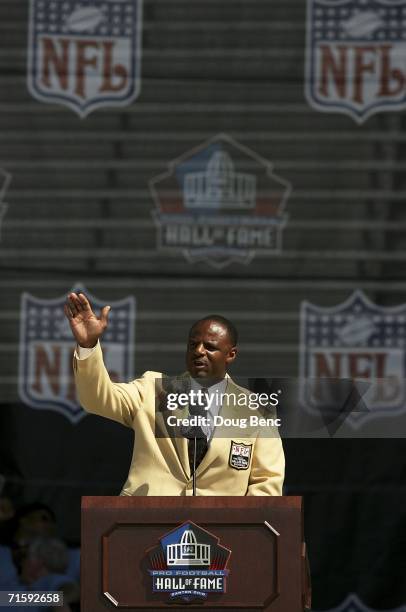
{"x":355,"y":340}
{"x":47,"y":346}
{"x":188,"y":564}
{"x":220,"y":203}
{"x":85,"y":54}
{"x":355,"y":56}
{"x":5,"y":180}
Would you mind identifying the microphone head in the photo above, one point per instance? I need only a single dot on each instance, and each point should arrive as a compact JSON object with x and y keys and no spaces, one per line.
{"x":189,"y":432}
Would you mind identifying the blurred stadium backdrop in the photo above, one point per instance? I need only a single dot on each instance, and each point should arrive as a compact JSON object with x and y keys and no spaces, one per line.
{"x":178,"y":158}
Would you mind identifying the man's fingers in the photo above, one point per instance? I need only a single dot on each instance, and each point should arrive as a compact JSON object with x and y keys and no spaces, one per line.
{"x":84,"y":302}
{"x":72,"y":304}
{"x":104,"y":315}
{"x":67,"y":311}
{"x":80,"y":306}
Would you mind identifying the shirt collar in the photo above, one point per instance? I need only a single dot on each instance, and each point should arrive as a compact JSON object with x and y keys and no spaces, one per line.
{"x":219,"y":387}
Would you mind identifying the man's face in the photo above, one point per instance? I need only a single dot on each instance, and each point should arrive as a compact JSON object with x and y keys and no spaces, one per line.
{"x":209,"y":351}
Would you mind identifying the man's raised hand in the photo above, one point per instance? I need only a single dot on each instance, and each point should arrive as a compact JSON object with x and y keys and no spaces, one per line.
{"x":85,"y":326}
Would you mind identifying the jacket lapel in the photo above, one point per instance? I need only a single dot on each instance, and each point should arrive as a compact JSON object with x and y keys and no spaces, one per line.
{"x":229,"y":410}
{"x":180,"y":444}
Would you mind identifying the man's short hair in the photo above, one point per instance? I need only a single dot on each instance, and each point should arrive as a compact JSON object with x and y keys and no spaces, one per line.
{"x":229,"y":326}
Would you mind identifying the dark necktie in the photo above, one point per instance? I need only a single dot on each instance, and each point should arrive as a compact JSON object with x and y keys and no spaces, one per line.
{"x":201,"y":449}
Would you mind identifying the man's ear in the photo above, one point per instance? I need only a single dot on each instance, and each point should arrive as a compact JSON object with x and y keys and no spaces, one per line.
{"x":232,"y":354}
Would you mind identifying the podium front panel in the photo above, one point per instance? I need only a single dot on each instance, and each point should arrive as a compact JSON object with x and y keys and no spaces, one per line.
{"x":155,"y":553}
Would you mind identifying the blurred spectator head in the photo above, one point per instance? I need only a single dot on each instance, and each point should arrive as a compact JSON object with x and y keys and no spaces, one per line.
{"x":7,"y":509}
{"x":44,"y":556}
{"x":34,"y":520}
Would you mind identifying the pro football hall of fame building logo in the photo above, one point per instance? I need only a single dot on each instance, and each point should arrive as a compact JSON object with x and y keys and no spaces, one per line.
{"x":220,"y":203}
{"x":355,"y":340}
{"x":188,"y":564}
{"x":355,"y":56}
{"x":47,"y":346}
{"x":85,"y":54}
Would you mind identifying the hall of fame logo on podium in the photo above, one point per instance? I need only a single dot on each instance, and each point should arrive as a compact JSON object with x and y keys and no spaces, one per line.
{"x":355,"y":56}
{"x":85,"y":54}
{"x":354,"y":341}
{"x":220,"y":203}
{"x":188,"y":564}
{"x":46,"y":351}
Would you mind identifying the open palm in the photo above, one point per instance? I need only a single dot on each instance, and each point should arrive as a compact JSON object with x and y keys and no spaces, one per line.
{"x":85,"y":326}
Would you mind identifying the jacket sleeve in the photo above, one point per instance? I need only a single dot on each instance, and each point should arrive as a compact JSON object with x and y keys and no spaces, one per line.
{"x":267,"y":467}
{"x":99,"y":395}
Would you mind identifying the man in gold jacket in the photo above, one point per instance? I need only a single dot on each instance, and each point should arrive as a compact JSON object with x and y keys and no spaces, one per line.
{"x":249,"y":465}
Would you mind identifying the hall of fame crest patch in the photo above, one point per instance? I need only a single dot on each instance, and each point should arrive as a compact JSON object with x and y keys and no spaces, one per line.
{"x":85,"y":54}
{"x":240,"y":455}
{"x":46,"y":351}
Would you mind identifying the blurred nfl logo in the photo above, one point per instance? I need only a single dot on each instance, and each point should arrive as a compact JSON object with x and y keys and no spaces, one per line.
{"x":355,"y":340}
{"x":5,"y":179}
{"x":355,"y":56}
{"x":220,"y":203}
{"x":85,"y":54}
{"x":353,"y":604}
{"x":47,"y":345}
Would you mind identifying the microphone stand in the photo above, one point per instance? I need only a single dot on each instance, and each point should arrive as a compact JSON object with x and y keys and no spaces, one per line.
{"x":194,"y":465}
{"x":191,"y":437}
{"x":192,"y":433}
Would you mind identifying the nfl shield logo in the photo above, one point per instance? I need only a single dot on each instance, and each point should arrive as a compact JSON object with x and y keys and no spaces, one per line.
{"x":85,"y":54}
{"x":5,"y":179}
{"x":220,"y":203}
{"x":355,"y":56}
{"x":240,"y":455}
{"x":47,"y":346}
{"x":355,"y":340}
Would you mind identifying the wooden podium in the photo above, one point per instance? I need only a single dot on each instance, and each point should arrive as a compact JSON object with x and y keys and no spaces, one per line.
{"x":156,"y":553}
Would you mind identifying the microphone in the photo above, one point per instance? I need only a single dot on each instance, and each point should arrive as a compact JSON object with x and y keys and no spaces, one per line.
{"x":197,"y":446}
{"x":193,"y":434}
